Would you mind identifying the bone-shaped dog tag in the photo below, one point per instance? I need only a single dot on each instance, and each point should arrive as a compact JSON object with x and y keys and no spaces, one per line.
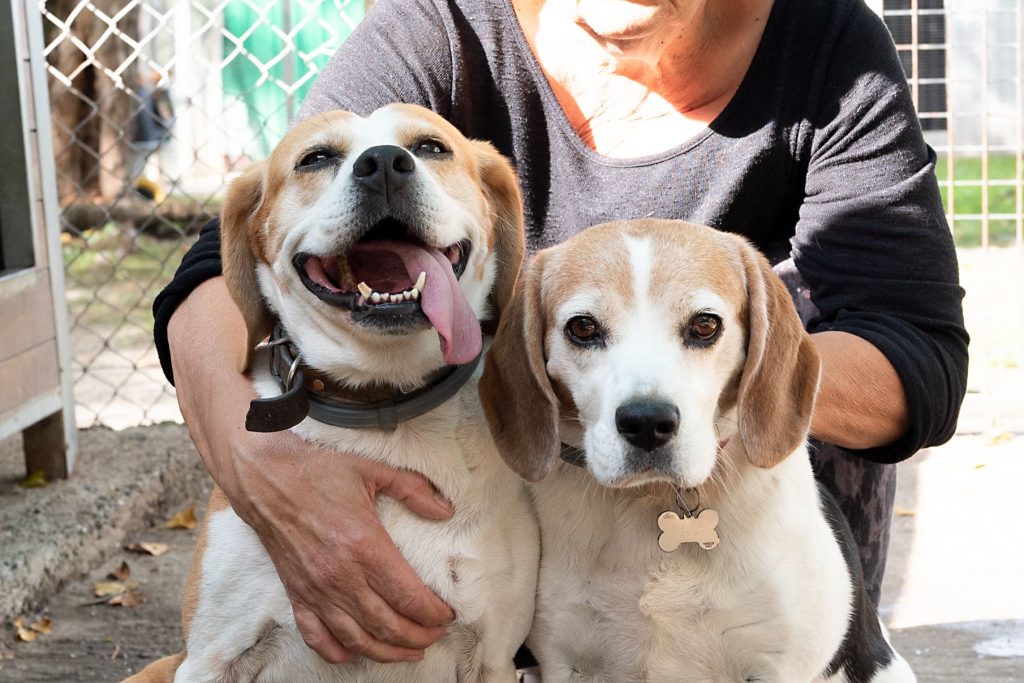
{"x":676,"y":530}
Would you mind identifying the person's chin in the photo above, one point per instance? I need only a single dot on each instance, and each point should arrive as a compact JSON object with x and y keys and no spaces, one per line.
{"x":623,"y":20}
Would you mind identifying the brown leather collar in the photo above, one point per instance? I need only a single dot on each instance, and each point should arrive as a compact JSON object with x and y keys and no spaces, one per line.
{"x":309,"y":392}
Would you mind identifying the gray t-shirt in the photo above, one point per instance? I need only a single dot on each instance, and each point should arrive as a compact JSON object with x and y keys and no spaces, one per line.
{"x":818,"y":159}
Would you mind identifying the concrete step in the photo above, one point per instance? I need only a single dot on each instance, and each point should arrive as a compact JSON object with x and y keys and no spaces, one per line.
{"x":53,"y":534}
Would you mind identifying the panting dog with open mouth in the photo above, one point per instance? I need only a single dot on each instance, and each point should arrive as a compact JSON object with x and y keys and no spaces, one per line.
{"x":369,"y":249}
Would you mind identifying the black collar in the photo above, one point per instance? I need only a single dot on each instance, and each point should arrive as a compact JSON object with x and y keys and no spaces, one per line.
{"x":302,"y":396}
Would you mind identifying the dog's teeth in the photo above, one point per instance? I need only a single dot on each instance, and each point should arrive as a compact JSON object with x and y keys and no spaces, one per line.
{"x":364,"y":289}
{"x":414,"y":294}
{"x":375,"y":298}
{"x":420,"y":281}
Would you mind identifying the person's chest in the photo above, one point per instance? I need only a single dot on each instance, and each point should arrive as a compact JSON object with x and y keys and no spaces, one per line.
{"x":750,"y":186}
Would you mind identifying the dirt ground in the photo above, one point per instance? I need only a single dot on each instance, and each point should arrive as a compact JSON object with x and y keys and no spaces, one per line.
{"x":98,"y":642}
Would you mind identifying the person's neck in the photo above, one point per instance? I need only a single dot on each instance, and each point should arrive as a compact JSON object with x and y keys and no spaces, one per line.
{"x":688,"y":69}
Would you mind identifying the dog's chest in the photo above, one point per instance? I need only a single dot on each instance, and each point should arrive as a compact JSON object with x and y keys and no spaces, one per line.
{"x":612,"y":606}
{"x":659,"y":622}
{"x":453,"y":449}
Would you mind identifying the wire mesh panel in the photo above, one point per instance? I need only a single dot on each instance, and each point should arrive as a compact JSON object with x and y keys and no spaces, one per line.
{"x":156,"y":105}
{"x":963,"y":60}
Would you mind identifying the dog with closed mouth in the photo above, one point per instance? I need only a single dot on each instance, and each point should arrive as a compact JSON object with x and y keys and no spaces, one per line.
{"x":654,"y":378}
{"x":372,"y":247}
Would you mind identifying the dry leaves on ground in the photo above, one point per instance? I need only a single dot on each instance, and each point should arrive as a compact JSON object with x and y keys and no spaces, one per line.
{"x":119,"y":590}
{"x":27,"y":632}
{"x":1000,"y":438}
{"x":148,"y":548}
{"x":122,"y":573}
{"x":36,"y":480}
{"x":186,"y":519}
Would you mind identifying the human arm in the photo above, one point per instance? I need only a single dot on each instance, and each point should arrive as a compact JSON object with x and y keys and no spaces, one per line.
{"x":861,"y":403}
{"x":877,"y":256}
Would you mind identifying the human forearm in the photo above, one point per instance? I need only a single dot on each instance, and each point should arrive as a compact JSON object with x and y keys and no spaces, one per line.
{"x":861,"y":402}
{"x":206,"y":337}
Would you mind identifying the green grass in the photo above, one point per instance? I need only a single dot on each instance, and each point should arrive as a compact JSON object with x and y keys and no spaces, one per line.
{"x":968,"y":200}
{"x":113,"y":275}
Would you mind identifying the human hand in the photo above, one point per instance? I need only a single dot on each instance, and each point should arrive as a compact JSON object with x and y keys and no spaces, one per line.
{"x":351,"y":591}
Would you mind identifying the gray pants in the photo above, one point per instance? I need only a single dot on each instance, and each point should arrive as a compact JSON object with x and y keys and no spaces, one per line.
{"x":865,"y":490}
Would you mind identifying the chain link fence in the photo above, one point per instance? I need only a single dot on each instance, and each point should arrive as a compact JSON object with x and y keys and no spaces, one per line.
{"x":158,"y":103}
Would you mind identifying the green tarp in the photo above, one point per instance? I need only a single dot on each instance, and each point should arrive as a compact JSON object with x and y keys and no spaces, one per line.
{"x":260,"y":61}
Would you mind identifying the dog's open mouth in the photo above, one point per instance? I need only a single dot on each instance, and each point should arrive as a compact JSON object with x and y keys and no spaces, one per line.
{"x":391,"y":280}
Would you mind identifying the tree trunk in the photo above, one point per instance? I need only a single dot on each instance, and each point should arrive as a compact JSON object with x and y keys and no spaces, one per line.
{"x":93,"y":117}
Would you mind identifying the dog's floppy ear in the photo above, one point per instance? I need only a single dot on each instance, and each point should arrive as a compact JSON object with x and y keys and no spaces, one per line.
{"x":239,"y":253}
{"x":780,"y":376}
{"x":517,"y":397}
{"x":508,"y":234}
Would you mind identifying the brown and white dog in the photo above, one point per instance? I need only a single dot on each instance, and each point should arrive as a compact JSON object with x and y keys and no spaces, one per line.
{"x":331,"y":237}
{"x":673,"y":358}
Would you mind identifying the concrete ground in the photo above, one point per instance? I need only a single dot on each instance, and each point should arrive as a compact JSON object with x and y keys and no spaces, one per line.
{"x":953,"y":596}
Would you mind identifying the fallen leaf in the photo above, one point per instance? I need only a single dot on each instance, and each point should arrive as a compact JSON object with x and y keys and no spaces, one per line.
{"x":148,"y":548}
{"x":999,"y":438}
{"x":124,"y":593}
{"x":122,"y":573}
{"x":36,"y":480}
{"x":130,"y":598}
{"x":904,"y":512}
{"x":43,"y":626}
{"x":25,"y":633}
{"x":186,"y":519}
{"x":102,"y":589}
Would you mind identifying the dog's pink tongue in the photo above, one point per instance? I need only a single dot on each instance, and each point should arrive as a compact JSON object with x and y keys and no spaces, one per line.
{"x":442,"y":301}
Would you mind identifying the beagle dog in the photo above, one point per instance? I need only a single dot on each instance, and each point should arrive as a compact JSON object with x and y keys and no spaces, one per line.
{"x":683,"y":537}
{"x":375,"y":246}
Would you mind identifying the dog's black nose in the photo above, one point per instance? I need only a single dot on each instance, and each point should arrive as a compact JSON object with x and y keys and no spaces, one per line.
{"x":647,"y":423}
{"x":385,"y":169}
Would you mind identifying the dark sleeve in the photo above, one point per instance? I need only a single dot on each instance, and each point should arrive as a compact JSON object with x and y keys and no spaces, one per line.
{"x":872,"y":242}
{"x":399,"y":52}
{"x":199,"y":264}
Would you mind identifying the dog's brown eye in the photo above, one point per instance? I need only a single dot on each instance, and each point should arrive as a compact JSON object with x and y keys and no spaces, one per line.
{"x":317,"y":158}
{"x":584,"y":331}
{"x":704,"y":327}
{"x":430,"y":148}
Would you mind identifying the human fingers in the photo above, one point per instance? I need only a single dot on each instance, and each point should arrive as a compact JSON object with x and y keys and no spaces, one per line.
{"x":358,"y":641}
{"x":395,"y":581}
{"x":413,"y":490}
{"x":317,"y":636}
{"x":382,"y":622}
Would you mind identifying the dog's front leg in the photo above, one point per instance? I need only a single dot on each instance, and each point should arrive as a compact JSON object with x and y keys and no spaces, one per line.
{"x":242,"y":611}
